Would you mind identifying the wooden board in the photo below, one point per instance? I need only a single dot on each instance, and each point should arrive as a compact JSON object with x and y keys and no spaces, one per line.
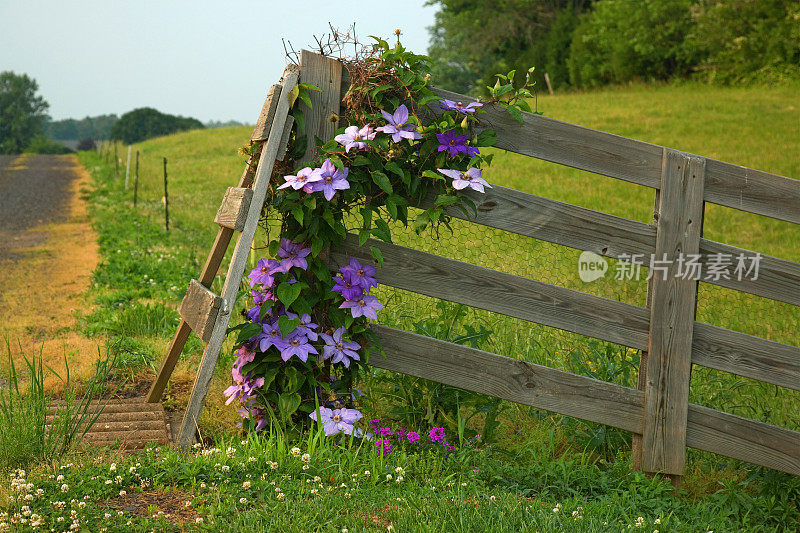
{"x":200,"y":309}
{"x":237,"y":264}
{"x":264,"y":122}
{"x":233,"y":210}
{"x":287,"y":132}
{"x":322,"y":118}
{"x":582,"y":397}
{"x":503,"y":293}
{"x":672,"y":310}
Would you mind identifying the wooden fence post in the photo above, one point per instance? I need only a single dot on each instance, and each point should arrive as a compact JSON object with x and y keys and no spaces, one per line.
{"x":136,"y":179}
{"x":323,"y":117}
{"x":166,"y":197}
{"x":672,"y":313}
{"x":116,"y":160}
{"x":128,"y":168}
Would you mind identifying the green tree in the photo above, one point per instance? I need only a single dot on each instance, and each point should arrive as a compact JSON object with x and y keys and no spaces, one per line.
{"x":22,"y":112}
{"x":146,"y":122}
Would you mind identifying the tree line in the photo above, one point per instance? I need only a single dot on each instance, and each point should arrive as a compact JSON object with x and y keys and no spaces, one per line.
{"x":590,"y":43}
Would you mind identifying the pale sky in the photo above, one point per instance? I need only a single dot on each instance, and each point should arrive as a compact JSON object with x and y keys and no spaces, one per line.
{"x":204,"y":59}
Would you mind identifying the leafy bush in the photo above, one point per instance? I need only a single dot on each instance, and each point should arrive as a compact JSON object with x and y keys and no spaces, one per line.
{"x":86,"y":144}
{"x":42,"y":145}
{"x":744,"y":40}
{"x":620,"y":41}
{"x":557,"y":47}
{"x":146,"y":122}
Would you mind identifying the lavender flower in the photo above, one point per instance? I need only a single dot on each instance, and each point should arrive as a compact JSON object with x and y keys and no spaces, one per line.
{"x":297,"y":344}
{"x":385,"y":432}
{"x":455,"y":143}
{"x":461,"y":180}
{"x":363,"y":275}
{"x":292,"y":254}
{"x":413,"y":437}
{"x":304,"y":176}
{"x":450,"y":105}
{"x":306,"y":327}
{"x":243,"y":356}
{"x":348,"y":285}
{"x":374,"y":424}
{"x":354,"y":137}
{"x":437,"y":434}
{"x":331,"y":179}
{"x":398,"y":127}
{"x":337,"y":420}
{"x":262,"y":295}
{"x":244,"y":387}
{"x":366,"y":306}
{"x":384,"y":447}
{"x":263,"y":273}
{"x":338,"y":349}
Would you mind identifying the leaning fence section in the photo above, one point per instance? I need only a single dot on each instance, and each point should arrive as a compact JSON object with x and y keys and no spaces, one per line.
{"x":664,"y":328}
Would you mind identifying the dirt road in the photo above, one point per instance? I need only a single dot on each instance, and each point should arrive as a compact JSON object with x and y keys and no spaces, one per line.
{"x":47,"y":253}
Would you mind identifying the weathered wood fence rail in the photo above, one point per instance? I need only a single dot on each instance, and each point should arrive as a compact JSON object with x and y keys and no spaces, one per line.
{"x":666,"y":331}
{"x":659,"y":414}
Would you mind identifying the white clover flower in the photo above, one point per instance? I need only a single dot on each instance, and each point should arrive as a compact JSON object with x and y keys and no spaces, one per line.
{"x":346,"y":494}
{"x":493,"y":498}
{"x":366,"y":473}
{"x":64,"y":487}
{"x":305,"y":467}
{"x":306,"y":458}
{"x":202,"y":485}
{"x":388,"y":477}
{"x":399,"y":470}
{"x":198,"y":520}
{"x":296,"y":451}
{"x":246,"y":485}
{"x":280,"y":496}
{"x":657,"y":521}
{"x":113,"y":466}
{"x":60,"y":478}
{"x":242,"y":500}
{"x":399,"y":479}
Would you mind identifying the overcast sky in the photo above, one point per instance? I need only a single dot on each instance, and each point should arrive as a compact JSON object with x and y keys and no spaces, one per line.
{"x":209,"y":60}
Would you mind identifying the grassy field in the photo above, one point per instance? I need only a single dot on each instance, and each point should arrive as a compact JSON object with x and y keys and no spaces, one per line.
{"x":144,"y":272}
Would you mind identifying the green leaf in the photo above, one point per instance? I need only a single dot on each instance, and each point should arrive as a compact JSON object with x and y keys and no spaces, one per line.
{"x":310,"y":201}
{"x":486,"y":138}
{"x":382,"y":181}
{"x":302,"y":306}
{"x":265,"y":307}
{"x":431,"y":174}
{"x":328,"y":217}
{"x":366,"y":214}
{"x":288,"y":403}
{"x":391,"y":207}
{"x":394,"y":168}
{"x":422,"y":221}
{"x":445,"y":200}
{"x":291,"y":380}
{"x":269,"y":376}
{"x":524,"y":105}
{"x":363,"y":235}
{"x":337,"y":162}
{"x":516,"y":113}
{"x":300,"y":119}
{"x":303,"y":95}
{"x":288,"y":292}
{"x":297,"y":212}
{"x":377,"y":90}
{"x":382,"y":231}
{"x":359,"y":160}
{"x":287,"y":325}
{"x":310,"y":87}
{"x":247,"y":332}
{"x":376,"y":254}
{"x":316,"y":245}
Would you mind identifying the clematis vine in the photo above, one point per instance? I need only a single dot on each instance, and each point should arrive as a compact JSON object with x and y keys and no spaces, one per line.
{"x":338,"y":350}
{"x":303,"y":178}
{"x":292,"y":255}
{"x":353,"y":137}
{"x":367,"y":305}
{"x":461,"y":180}
{"x":398,"y":126}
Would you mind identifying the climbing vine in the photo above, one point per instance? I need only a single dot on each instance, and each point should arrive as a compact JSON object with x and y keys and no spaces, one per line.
{"x":306,"y":336}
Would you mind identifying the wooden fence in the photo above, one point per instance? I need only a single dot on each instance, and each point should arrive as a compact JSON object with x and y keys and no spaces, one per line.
{"x":671,"y":340}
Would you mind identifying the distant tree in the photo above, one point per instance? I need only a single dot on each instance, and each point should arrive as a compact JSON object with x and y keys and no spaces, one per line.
{"x":86,"y":144}
{"x":97,"y":128}
{"x":146,"y":122}
{"x":22,"y":112}
{"x":41,"y":144}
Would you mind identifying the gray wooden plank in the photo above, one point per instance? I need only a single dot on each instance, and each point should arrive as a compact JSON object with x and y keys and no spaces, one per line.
{"x":287,"y":131}
{"x":746,"y":355}
{"x":237,"y":264}
{"x":232,"y":212}
{"x":264,"y":122}
{"x":510,"y":379}
{"x":322,"y":118}
{"x":744,"y":439}
{"x":562,"y":392}
{"x":672,"y":313}
{"x":503,"y":293}
{"x":199,"y":309}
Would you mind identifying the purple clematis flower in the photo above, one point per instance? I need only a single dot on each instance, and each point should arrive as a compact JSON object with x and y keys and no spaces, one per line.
{"x":306,"y":327}
{"x":337,"y":420}
{"x":354,"y":137}
{"x":365,"y":306}
{"x":304,"y":177}
{"x":455,"y":143}
{"x":272,"y":337}
{"x":243,"y":389}
{"x":262,"y":295}
{"x":471,"y":178}
{"x":363,"y":275}
{"x":297,"y":344}
{"x":292,"y":254}
{"x":331,"y":179}
{"x":398,"y":126}
{"x":469,"y":109}
{"x":338,"y":349}
{"x":348,"y":285}
{"x":263,"y":273}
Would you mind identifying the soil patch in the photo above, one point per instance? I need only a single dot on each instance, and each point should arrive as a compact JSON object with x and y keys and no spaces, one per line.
{"x":170,"y":505}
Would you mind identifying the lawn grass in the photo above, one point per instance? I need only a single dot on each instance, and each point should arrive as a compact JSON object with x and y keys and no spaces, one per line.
{"x":145,"y":270}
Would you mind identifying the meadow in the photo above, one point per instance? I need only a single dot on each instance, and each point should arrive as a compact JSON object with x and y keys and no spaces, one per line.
{"x":539,"y":468}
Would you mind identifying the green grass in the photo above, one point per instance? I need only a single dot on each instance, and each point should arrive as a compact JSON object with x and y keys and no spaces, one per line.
{"x":755,"y":127}
{"x":260,"y":484}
